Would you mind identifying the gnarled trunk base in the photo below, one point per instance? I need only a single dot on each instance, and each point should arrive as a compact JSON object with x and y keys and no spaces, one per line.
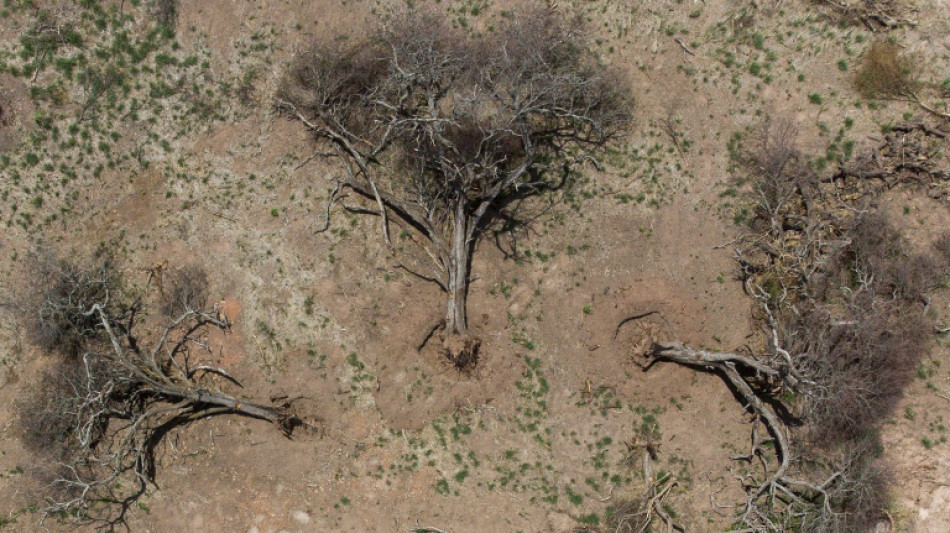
{"x":462,"y":350}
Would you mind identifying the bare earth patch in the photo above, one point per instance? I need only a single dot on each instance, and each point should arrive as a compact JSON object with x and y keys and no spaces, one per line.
{"x":547,"y":430}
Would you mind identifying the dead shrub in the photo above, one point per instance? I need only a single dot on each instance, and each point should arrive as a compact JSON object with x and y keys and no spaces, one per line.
{"x":879,"y":253}
{"x":46,"y":418}
{"x":886,"y":72}
{"x":779,"y":172}
{"x":853,"y":492}
{"x":186,"y":290}
{"x":860,"y":365}
{"x":631,"y":515}
{"x":942,"y":247}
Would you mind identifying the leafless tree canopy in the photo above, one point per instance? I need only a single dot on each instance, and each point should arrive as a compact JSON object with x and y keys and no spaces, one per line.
{"x":442,"y":128}
{"x":114,"y":391}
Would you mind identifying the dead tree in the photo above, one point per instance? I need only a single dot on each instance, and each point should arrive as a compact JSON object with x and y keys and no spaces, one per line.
{"x":826,"y":477}
{"x":840,"y":298}
{"x":442,"y":129}
{"x":115,"y":391}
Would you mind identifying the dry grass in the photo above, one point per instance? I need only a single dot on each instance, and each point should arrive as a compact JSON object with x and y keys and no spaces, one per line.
{"x":887,"y":72}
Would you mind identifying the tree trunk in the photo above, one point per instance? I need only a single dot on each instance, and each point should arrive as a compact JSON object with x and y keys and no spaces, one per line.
{"x":456,"y":318}
{"x":460,"y":347}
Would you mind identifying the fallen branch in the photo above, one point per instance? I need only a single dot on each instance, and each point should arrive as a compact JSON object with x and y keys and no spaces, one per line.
{"x":725,"y":364}
{"x":683,"y":46}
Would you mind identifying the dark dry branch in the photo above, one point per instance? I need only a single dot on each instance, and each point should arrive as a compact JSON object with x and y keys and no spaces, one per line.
{"x":165,"y":12}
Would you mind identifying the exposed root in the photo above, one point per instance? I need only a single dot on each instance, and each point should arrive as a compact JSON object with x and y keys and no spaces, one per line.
{"x":632,"y":318}
{"x":462,"y":351}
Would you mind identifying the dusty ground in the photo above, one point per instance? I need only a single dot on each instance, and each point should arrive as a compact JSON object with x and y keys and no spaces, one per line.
{"x":534,"y":440}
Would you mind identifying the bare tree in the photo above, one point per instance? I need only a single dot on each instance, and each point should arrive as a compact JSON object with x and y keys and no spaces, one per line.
{"x":116,"y":391}
{"x":841,"y":299}
{"x":443,"y":129}
{"x":829,"y":373}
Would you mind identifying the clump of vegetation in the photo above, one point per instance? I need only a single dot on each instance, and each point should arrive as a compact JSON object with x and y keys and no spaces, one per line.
{"x":887,"y":72}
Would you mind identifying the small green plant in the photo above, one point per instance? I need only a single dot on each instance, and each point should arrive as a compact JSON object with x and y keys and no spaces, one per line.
{"x":591,"y":519}
{"x":442,"y":487}
{"x":572,"y":496}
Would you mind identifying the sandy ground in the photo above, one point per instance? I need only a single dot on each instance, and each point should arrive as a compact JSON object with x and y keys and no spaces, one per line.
{"x":535,"y":439}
